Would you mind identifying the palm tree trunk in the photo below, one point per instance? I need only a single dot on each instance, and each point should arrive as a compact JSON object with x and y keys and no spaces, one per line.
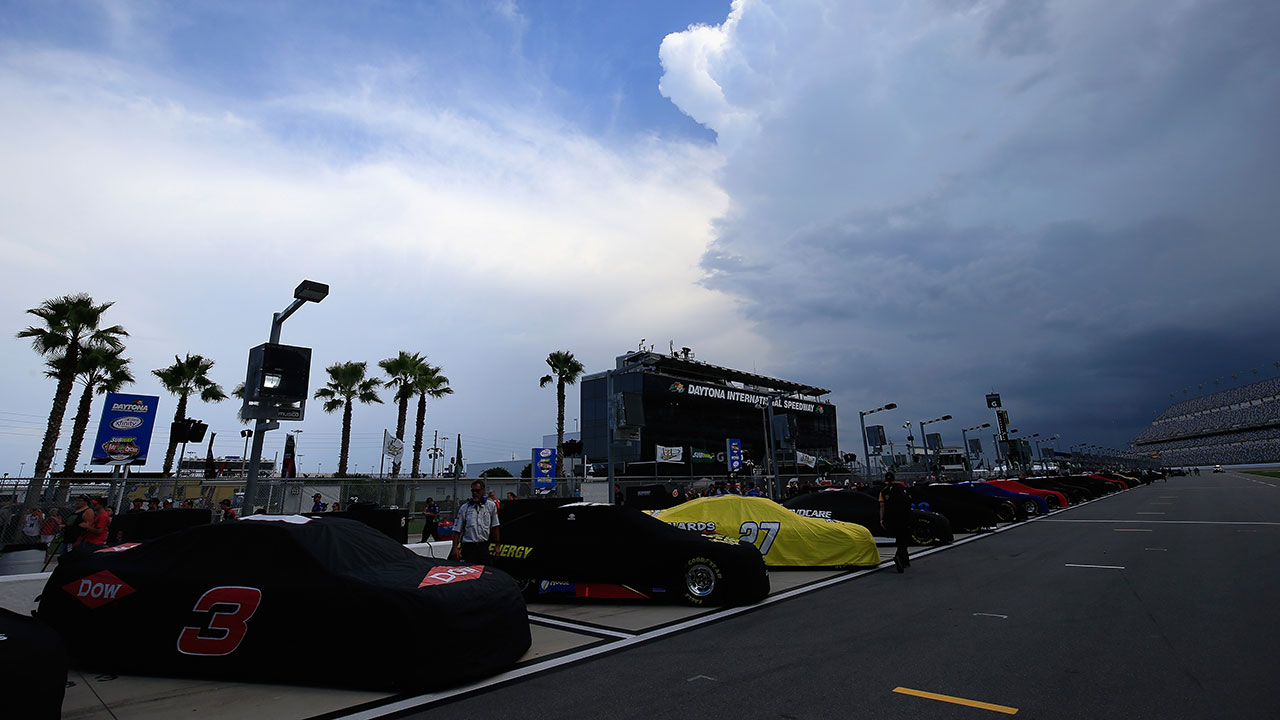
{"x":400,"y":418}
{"x":77,"y":432}
{"x":44,"y":460}
{"x":346,"y":438}
{"x":179,"y":414}
{"x":559,"y":426}
{"x":417,"y":437}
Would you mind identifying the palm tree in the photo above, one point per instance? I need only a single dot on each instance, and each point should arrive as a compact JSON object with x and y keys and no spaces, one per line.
{"x":402,"y":371}
{"x":102,"y":369}
{"x":429,"y":383}
{"x":565,"y":370}
{"x":346,"y":383}
{"x":71,"y":324}
{"x":182,"y":378}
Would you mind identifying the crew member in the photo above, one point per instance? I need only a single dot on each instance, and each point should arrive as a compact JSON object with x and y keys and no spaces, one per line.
{"x":431,"y":518}
{"x":895,"y":517}
{"x":475,"y":527}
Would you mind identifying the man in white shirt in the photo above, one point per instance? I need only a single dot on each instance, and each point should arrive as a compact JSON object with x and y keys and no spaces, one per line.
{"x":475,"y":527}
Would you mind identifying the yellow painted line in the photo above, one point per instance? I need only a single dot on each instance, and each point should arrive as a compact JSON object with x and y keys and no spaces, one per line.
{"x":1131,"y":530}
{"x":958,"y":700}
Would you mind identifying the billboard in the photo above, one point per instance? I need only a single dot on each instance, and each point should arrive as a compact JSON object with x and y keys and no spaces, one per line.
{"x":975,"y":446}
{"x":933,"y":441}
{"x":876,"y":436}
{"x":544,"y":469}
{"x":124,"y":430}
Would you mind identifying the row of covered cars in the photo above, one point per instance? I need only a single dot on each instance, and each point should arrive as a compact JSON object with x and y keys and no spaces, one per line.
{"x":242,"y":600}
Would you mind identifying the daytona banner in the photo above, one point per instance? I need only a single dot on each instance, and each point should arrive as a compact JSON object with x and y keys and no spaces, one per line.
{"x":124,"y":430}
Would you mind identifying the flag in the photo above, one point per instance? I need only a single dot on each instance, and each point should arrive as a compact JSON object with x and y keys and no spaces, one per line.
{"x":805,"y":459}
{"x":392,"y":445}
{"x":289,"y":466}
{"x":669,"y":454}
{"x":457,"y":460}
{"x":210,"y":467}
{"x":702,"y":456}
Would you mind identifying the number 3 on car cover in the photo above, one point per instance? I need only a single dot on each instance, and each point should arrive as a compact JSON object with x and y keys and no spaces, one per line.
{"x":227,"y":610}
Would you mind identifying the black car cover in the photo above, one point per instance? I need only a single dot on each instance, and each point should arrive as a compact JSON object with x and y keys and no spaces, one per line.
{"x":259,"y":600}
{"x":860,"y":508}
{"x":33,"y":667}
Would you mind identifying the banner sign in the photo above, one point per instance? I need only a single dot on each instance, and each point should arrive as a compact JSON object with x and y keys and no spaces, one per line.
{"x":806,"y":459}
{"x":124,"y":430}
{"x":719,"y":392}
{"x":699,"y":455}
{"x":544,"y":468}
{"x":733,"y":449}
{"x":669,"y":454}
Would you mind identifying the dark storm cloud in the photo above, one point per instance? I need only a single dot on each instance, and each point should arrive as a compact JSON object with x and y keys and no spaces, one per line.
{"x":1068,"y":202}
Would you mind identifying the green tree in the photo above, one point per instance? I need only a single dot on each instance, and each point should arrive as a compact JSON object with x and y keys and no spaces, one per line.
{"x":496,"y":472}
{"x":565,"y":370}
{"x":185,"y":377}
{"x":429,"y":383}
{"x":402,"y":372}
{"x":347,"y":383}
{"x":101,"y":369}
{"x":71,"y":324}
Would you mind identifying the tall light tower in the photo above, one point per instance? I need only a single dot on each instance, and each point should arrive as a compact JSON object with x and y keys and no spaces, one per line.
{"x":964,"y":433}
{"x":866,"y":449}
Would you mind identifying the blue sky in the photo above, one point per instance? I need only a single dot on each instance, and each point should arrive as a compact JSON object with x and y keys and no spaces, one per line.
{"x":1067,"y":201}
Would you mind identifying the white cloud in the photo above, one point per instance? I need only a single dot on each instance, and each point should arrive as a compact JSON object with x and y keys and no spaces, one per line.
{"x":484,"y":238}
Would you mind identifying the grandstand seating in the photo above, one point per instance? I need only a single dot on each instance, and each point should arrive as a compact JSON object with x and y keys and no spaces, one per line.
{"x":1239,"y":425}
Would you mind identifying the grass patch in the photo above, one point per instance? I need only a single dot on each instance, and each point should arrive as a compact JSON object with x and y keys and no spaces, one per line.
{"x":1264,"y":473}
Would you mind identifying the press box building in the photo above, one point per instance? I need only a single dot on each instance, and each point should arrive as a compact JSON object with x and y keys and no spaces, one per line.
{"x":676,"y":401}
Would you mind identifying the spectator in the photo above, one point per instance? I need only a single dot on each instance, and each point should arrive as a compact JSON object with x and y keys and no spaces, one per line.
{"x":188,"y":505}
{"x":335,"y":507}
{"x":137,"y":507}
{"x":51,"y":525}
{"x":476,"y":526}
{"x":95,"y":532}
{"x":225,"y":511}
{"x":31,"y":526}
{"x":511,"y":496}
{"x":493,"y":498}
{"x":153,"y":503}
{"x":316,"y":505}
{"x":78,"y":522}
{"x":168,"y":504}
{"x":431,"y":518}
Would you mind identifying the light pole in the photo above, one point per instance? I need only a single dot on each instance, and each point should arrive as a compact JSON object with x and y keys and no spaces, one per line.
{"x":22,"y":467}
{"x":306,"y":292}
{"x":964,"y":434}
{"x":866,"y":449}
{"x":435,"y":452}
{"x":926,"y":443}
{"x":297,"y":454}
{"x":910,"y":448}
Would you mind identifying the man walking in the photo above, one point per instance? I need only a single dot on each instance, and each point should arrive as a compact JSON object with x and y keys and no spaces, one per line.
{"x":475,"y":527}
{"x":895,"y":517}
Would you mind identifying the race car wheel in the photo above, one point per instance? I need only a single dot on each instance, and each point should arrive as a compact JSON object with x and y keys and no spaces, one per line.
{"x":1006,"y":512}
{"x":1053,"y":501}
{"x":922,"y":531}
{"x":702,"y":582}
{"x":1029,"y":506}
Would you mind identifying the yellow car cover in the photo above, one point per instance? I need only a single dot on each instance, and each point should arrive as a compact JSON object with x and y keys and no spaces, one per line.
{"x":783,"y":537}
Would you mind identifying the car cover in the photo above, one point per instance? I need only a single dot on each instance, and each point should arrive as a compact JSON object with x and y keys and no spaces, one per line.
{"x":285,"y":599}
{"x":783,"y":537}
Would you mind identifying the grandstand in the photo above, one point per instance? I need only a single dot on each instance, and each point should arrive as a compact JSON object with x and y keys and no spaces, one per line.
{"x":1235,"y":426}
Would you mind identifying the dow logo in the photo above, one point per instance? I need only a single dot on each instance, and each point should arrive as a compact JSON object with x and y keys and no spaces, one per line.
{"x":98,"y":589}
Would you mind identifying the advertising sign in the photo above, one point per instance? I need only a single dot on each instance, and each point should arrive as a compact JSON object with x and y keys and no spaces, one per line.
{"x":733,"y":450}
{"x":669,"y":454}
{"x":124,"y":430}
{"x":876,"y":436}
{"x":544,"y":468}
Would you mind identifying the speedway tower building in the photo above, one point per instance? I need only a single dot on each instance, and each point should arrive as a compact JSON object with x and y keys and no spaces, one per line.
{"x":674,"y":401}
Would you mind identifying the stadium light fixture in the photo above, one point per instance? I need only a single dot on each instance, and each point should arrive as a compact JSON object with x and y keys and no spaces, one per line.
{"x":866,"y":448}
{"x":964,"y":435}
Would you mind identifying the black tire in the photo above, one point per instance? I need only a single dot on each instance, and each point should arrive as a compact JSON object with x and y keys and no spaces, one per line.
{"x":1006,"y":512}
{"x":701,"y":582}
{"x":922,"y":531}
{"x":1030,"y":507}
{"x":528,"y":588}
{"x":1053,"y":501}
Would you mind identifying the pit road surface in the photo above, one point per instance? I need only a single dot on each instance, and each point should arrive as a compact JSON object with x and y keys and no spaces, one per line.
{"x":1160,"y":602}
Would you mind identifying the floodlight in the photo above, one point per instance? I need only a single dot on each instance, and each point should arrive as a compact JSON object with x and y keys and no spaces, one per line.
{"x":311,"y":291}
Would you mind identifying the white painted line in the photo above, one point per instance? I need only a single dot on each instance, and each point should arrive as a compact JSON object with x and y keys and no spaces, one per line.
{"x":702,"y":677}
{"x":1156,"y":549}
{"x":588,"y":629}
{"x":1151,"y":513}
{"x":1103,"y":567}
{"x":994,"y":615}
{"x":1133,"y":530}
